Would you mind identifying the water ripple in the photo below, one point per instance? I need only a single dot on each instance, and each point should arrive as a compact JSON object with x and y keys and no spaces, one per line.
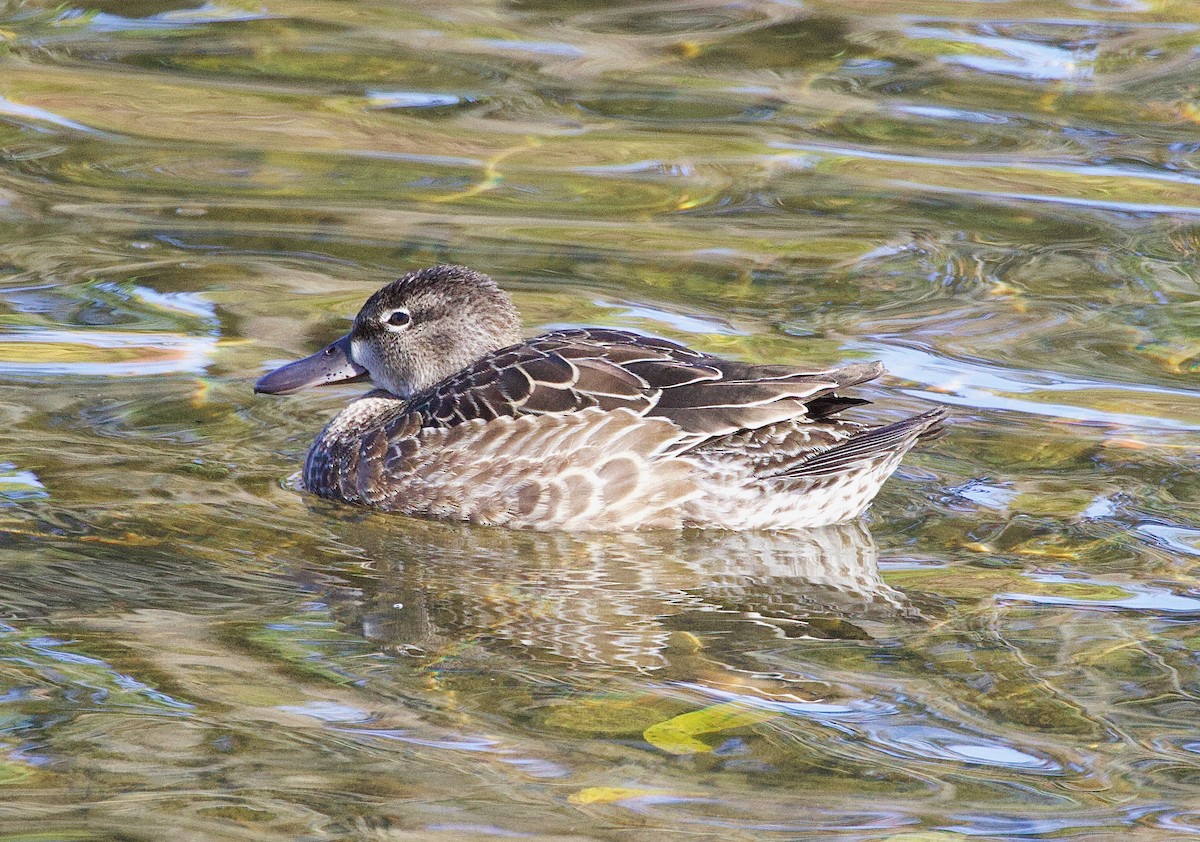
{"x":926,"y":742}
{"x":1138,"y":597}
{"x":208,"y":13}
{"x":42,"y":352}
{"x":1025,"y":58}
{"x":978,"y":384}
{"x":40,"y":115}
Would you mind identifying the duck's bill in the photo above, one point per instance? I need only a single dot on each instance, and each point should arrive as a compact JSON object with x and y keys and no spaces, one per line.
{"x":333,"y":364}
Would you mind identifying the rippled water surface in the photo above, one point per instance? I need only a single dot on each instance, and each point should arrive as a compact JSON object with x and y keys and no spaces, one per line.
{"x":1000,"y":200}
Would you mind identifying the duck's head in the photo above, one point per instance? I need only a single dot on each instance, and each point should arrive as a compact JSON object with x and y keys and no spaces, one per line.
{"x":411,"y":334}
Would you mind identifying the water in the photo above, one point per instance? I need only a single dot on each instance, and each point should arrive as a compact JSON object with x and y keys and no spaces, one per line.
{"x":1001,"y":200}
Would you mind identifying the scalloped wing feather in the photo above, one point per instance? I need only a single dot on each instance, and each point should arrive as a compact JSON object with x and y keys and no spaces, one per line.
{"x":571,"y":370}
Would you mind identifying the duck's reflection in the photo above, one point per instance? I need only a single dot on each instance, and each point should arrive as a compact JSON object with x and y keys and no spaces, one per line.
{"x":609,"y":599}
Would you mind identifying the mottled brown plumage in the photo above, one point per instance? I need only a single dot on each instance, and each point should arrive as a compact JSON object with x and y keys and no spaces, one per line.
{"x":581,"y":429}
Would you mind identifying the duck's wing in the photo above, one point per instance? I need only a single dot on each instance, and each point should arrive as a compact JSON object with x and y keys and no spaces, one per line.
{"x":571,"y":370}
{"x":545,"y":375}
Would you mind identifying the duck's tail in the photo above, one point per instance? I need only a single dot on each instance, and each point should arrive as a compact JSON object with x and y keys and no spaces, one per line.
{"x":879,"y":444}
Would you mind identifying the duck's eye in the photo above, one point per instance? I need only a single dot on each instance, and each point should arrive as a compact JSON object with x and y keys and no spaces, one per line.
{"x":399,"y":319}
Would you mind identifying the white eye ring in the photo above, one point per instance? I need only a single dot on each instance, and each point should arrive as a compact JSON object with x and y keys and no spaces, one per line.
{"x":398,"y":319}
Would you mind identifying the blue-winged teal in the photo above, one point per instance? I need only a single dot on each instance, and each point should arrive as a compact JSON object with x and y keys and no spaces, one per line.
{"x":582,"y":429}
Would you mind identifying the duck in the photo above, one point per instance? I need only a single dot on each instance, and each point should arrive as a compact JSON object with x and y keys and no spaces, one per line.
{"x":584,"y":428}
